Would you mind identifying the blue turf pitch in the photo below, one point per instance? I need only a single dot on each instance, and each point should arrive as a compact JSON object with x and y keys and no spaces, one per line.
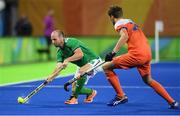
{"x":142,"y":99}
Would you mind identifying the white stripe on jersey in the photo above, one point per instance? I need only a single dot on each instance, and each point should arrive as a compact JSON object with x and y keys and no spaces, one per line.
{"x":122,"y":22}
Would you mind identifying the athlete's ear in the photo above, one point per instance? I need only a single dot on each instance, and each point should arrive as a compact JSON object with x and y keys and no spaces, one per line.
{"x":112,"y":16}
{"x":112,"y":19}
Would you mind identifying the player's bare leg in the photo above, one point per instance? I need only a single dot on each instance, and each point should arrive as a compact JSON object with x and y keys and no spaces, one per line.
{"x":160,"y":90}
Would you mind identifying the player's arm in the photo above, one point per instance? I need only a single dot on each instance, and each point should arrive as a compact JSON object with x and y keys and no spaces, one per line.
{"x":56,"y":71}
{"x":122,"y":40}
{"x":78,"y":54}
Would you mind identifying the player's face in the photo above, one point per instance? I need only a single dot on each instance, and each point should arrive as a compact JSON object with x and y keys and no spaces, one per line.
{"x":57,"y":41}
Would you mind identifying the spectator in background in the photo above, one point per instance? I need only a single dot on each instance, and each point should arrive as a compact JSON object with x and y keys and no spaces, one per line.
{"x":49,"y":27}
{"x":23,"y":26}
{"x":2,"y":12}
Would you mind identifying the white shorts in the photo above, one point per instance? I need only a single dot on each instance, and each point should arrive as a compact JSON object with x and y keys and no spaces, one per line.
{"x":93,"y":63}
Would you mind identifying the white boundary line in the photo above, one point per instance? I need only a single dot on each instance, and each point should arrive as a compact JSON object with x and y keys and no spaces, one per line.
{"x":91,"y":86}
{"x":29,"y":81}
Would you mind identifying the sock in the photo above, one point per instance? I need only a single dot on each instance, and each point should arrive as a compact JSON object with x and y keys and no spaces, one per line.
{"x":161,"y":91}
{"x":86,"y":91}
{"x":80,"y":89}
{"x":114,"y":81}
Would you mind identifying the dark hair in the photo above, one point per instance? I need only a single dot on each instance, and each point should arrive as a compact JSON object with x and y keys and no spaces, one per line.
{"x":115,"y":11}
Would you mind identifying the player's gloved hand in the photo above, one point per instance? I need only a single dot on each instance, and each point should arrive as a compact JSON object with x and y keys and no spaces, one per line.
{"x":110,"y":56}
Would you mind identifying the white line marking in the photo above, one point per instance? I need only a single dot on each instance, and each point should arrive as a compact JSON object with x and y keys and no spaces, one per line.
{"x":28,"y":81}
{"x":91,"y":86}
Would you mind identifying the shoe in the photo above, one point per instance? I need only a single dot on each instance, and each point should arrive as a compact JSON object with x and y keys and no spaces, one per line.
{"x":90,"y":97}
{"x":174,"y":105}
{"x":71,"y":100}
{"x":118,"y":100}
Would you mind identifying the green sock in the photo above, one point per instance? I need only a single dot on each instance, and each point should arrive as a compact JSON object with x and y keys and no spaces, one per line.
{"x":80,"y":89}
{"x":86,"y":91}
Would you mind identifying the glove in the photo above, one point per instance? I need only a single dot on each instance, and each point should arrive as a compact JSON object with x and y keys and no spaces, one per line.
{"x":110,"y":56}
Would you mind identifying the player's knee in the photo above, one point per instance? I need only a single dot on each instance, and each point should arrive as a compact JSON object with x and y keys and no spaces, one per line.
{"x":108,"y":69}
{"x":104,"y":67}
{"x":107,"y":66}
{"x":147,"y":79}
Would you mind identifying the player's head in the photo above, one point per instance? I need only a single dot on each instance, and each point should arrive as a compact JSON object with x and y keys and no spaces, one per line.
{"x":57,"y":38}
{"x":115,"y":12}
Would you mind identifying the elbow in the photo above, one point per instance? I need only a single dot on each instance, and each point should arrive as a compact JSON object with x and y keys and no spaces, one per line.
{"x":81,"y":55}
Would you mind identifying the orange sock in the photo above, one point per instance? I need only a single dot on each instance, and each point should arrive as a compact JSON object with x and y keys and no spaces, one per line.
{"x":161,"y":91}
{"x":114,"y":81}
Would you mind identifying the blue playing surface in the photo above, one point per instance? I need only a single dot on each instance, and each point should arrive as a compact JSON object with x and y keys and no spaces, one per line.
{"x":142,"y":99}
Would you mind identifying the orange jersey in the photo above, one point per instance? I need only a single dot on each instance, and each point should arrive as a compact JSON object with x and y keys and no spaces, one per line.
{"x":137,"y":42}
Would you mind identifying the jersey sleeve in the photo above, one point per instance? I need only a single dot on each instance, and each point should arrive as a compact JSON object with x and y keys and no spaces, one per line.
{"x":122,"y":23}
{"x":73,"y":44}
{"x":118,"y":28}
{"x":59,"y":56}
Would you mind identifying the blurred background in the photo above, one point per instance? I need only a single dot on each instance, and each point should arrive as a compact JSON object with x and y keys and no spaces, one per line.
{"x":25,"y":26}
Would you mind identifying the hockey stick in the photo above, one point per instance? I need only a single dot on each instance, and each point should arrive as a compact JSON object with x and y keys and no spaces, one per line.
{"x":75,"y":79}
{"x":22,"y":100}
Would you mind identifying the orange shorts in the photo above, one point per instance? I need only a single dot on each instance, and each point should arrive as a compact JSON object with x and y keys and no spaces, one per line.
{"x":127,"y":61}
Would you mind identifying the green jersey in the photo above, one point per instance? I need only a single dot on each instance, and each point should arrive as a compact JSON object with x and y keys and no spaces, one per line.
{"x":70,"y":45}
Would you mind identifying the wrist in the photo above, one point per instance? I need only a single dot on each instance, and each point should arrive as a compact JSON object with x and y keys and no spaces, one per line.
{"x":113,"y":52}
{"x":67,"y":60}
